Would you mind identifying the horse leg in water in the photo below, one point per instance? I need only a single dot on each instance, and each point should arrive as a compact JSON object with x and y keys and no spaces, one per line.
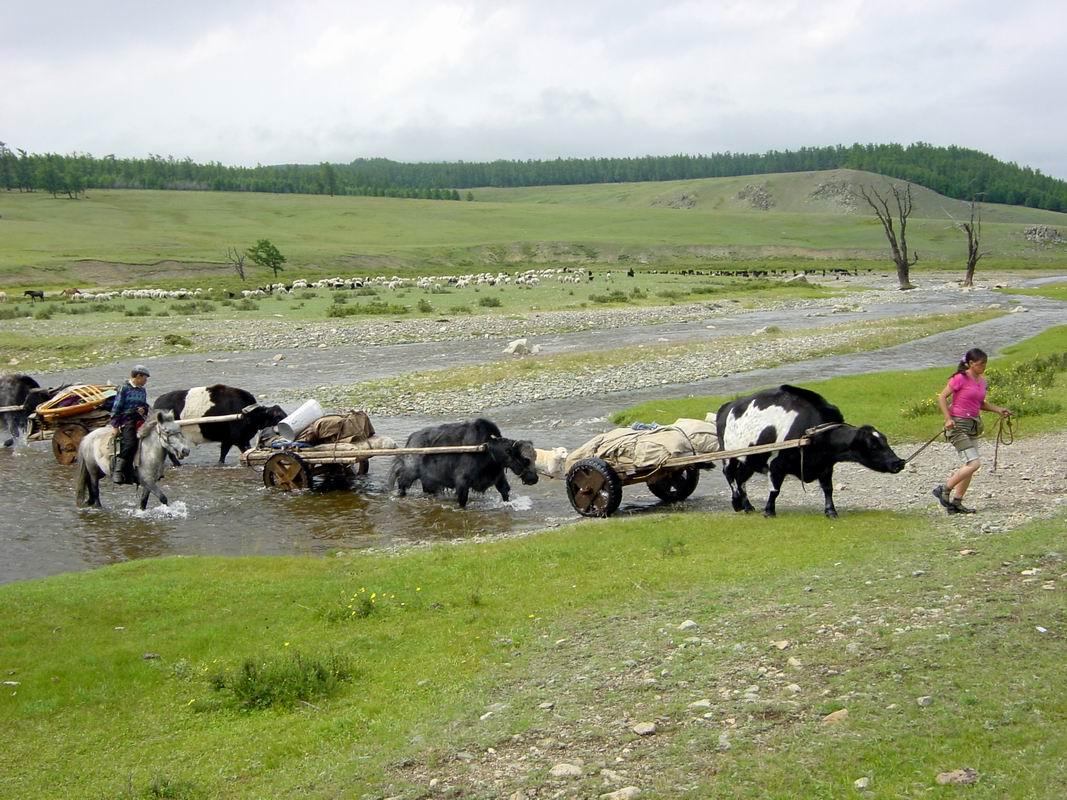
{"x":149,"y":486}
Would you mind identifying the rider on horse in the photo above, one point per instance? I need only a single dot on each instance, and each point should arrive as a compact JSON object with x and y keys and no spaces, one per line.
{"x":127,"y":415}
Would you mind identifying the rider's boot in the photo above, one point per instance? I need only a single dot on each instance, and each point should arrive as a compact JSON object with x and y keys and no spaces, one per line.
{"x":118,"y":472}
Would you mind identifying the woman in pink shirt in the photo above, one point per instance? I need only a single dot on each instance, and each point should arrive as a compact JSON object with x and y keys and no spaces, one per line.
{"x":963,"y":425}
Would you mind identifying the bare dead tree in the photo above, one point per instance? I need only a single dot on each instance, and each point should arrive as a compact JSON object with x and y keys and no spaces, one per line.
{"x":898,"y":243}
{"x":973,"y":229}
{"x":237,"y":261}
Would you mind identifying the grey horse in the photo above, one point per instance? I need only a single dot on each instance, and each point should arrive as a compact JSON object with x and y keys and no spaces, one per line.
{"x":159,"y":436}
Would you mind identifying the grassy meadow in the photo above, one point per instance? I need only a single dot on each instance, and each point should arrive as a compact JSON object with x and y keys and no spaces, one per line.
{"x":169,"y":238}
{"x":910,"y":412}
{"x":365,"y":675}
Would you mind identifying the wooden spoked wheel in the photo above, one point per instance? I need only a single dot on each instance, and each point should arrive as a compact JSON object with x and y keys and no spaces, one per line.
{"x":65,"y":441}
{"x":286,"y":472}
{"x":594,"y":488}
{"x":675,"y":485}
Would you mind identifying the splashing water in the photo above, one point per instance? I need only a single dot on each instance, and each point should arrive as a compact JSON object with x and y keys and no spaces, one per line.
{"x":176,"y":510}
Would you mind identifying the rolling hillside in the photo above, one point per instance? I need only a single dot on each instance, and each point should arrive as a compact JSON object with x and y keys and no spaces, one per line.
{"x":824,"y":192}
{"x":129,"y":236}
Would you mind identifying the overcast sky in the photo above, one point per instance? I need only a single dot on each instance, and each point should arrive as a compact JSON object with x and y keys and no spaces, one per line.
{"x":275,"y":81}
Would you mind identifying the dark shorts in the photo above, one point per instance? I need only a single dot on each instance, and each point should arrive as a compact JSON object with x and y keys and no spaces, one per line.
{"x":964,"y":436}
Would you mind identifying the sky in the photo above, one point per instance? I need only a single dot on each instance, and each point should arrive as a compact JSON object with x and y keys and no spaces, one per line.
{"x":275,"y":81}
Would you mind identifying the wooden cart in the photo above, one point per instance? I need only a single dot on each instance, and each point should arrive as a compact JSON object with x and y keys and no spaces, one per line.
{"x":594,"y":486}
{"x":291,"y":467}
{"x":68,"y":417}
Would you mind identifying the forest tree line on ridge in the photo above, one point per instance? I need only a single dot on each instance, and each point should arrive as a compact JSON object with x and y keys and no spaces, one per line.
{"x":956,"y":172}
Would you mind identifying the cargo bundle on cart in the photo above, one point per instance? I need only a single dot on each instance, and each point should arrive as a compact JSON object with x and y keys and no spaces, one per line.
{"x":69,"y":415}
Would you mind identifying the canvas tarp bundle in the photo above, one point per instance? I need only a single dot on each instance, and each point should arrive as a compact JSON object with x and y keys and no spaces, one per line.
{"x":352,"y":426}
{"x":629,"y":450}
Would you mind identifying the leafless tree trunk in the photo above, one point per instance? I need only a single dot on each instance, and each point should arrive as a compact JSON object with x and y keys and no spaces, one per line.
{"x":897,"y":243}
{"x":237,"y":261}
{"x":973,"y":229}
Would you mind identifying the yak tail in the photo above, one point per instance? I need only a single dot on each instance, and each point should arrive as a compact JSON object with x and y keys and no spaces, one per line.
{"x":394,"y":471}
{"x":81,"y":484}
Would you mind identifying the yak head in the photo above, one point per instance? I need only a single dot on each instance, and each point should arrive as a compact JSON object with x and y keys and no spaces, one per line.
{"x":518,"y":455}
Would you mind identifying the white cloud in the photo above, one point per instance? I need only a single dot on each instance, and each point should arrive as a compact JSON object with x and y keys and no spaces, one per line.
{"x":272,"y":82}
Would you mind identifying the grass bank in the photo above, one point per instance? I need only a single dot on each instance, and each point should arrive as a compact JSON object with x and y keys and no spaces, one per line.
{"x":480,"y":667}
{"x":886,"y":399}
{"x":60,"y":333}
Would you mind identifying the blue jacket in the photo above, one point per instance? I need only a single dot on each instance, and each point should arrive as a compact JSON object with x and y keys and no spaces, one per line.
{"x":127,"y":401}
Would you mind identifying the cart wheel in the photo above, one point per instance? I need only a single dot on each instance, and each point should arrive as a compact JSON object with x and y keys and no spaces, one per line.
{"x":286,"y":472}
{"x":594,"y":488}
{"x":65,"y":441}
{"x":676,"y":485}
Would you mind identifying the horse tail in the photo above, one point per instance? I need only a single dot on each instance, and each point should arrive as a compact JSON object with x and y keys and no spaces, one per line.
{"x":81,"y":484}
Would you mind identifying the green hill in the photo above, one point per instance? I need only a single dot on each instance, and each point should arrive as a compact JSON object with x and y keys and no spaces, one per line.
{"x":832,"y":192}
{"x":130,"y":236}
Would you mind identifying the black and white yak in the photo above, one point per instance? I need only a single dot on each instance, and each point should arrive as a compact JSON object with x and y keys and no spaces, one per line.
{"x":218,"y":401}
{"x":775,"y":415}
{"x":464,"y":471}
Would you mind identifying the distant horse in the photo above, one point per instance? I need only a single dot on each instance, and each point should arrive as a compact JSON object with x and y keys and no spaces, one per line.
{"x":34,"y":294}
{"x":159,"y":436}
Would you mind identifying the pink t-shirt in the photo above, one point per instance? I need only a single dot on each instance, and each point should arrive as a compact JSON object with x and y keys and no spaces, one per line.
{"x":967,"y":395}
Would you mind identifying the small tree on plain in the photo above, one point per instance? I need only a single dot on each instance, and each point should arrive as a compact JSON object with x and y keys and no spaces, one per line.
{"x":237,"y":261}
{"x":973,"y":229}
{"x":898,"y":243}
{"x":265,"y":254}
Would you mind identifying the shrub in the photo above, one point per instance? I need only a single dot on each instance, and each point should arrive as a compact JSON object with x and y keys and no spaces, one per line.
{"x":13,"y":313}
{"x":461,"y":310}
{"x":189,"y":307}
{"x":283,"y":682}
{"x":375,"y":308}
{"x":638,"y":294}
{"x":425,"y":306}
{"x":142,"y":310}
{"x":366,"y":291}
{"x":43,"y":313}
{"x":177,"y":340}
{"x":614,"y":296}
{"x":489,"y":302}
{"x":340,"y":298}
{"x":1023,"y":387}
{"x":248,"y":304}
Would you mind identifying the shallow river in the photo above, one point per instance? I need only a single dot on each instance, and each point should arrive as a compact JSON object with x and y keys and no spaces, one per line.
{"x":224,"y":510}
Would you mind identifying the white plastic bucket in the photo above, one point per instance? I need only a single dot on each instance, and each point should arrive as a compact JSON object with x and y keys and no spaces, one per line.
{"x":293,"y":425}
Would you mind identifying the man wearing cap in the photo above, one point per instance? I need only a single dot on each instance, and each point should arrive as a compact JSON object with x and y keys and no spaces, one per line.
{"x":128,"y":413}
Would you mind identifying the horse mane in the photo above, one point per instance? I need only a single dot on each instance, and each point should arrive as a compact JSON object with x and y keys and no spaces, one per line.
{"x":150,"y":424}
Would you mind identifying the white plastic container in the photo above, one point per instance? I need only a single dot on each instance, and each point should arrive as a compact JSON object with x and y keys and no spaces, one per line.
{"x":293,"y":425}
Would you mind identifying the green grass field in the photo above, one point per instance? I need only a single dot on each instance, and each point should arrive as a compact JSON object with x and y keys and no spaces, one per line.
{"x":881,"y":398}
{"x":168,"y":238}
{"x":125,"y":682}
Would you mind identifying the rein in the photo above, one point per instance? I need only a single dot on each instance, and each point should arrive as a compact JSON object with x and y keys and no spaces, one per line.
{"x":930,"y":442}
{"x":1002,"y":423}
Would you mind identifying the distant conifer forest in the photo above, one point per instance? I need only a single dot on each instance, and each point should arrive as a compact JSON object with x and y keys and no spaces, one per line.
{"x":952,"y":171}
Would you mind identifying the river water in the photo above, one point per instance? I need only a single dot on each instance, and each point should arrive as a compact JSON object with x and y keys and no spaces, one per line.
{"x":225,"y":510}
